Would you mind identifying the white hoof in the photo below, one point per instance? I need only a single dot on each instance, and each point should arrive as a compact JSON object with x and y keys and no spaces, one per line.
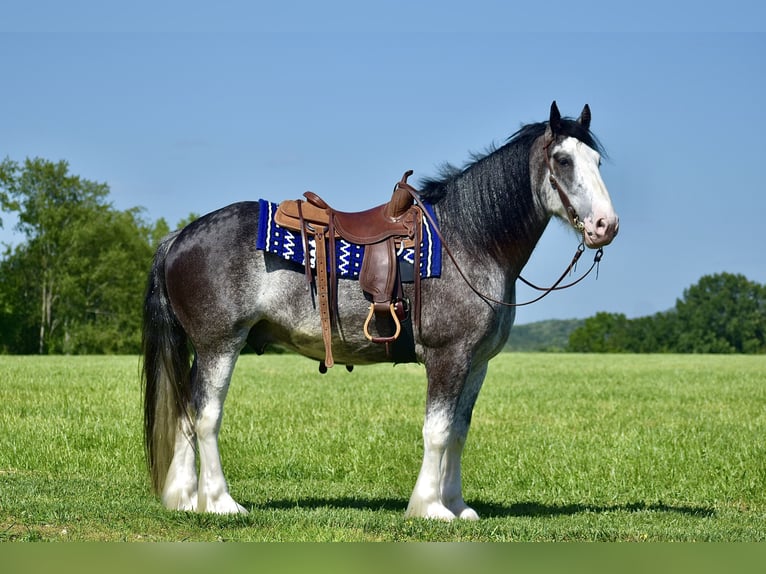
{"x":433,"y":511}
{"x":223,"y":504}
{"x":468,"y":514}
{"x":438,"y":511}
{"x":460,"y":509}
{"x":183,"y":500}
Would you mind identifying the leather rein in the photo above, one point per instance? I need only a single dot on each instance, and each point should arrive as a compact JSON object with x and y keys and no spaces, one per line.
{"x":557,"y":286}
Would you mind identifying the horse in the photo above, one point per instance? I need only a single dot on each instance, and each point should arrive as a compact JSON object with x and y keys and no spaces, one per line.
{"x":210,"y":292}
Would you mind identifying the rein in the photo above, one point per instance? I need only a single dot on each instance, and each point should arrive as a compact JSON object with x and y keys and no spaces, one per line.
{"x":557,"y":286}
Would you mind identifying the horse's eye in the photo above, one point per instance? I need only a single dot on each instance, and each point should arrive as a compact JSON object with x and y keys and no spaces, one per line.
{"x":563,"y":161}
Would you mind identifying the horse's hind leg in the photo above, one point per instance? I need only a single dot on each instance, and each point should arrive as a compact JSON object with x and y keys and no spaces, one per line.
{"x":180,"y":490}
{"x":451,"y":397}
{"x":213,"y":375}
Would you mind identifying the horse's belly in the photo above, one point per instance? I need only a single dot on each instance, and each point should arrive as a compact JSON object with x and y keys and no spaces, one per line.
{"x":291,"y":319}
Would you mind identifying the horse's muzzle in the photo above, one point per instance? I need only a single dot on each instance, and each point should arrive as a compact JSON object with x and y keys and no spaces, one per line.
{"x":600,"y":231}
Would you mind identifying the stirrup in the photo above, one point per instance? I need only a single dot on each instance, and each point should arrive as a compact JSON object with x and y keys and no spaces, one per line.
{"x":390,"y":339}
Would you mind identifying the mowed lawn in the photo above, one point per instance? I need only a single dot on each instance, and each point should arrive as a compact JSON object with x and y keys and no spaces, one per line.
{"x":563,"y":447}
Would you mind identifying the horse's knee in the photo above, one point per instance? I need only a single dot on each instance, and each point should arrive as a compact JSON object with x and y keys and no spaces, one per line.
{"x":437,"y":428}
{"x":444,"y":434}
{"x":208,"y":421}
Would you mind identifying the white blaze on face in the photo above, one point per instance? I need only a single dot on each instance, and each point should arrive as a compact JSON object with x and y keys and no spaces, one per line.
{"x":588,"y":194}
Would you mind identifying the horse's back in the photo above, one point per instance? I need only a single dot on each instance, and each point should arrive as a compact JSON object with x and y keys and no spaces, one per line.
{"x":235,"y":225}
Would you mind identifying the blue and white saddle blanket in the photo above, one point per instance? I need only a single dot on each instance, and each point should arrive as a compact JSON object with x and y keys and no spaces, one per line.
{"x":348,"y":256}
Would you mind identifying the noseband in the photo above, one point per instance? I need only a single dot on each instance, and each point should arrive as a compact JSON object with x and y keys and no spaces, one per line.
{"x":574,"y":219}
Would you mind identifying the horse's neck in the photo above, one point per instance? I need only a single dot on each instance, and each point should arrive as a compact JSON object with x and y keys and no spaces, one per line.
{"x":496,"y":226}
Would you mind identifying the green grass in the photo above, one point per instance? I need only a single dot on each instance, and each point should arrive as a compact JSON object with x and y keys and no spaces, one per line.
{"x":563,"y":447}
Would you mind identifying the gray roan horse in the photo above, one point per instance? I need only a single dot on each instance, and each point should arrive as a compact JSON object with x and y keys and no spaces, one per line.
{"x":210,"y":292}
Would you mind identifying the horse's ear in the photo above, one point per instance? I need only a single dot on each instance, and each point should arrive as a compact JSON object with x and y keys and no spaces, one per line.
{"x":555,"y":121}
{"x":584,"y":118}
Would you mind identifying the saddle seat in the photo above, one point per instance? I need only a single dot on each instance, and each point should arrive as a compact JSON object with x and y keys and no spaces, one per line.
{"x":380,"y":230}
{"x":393,"y":219}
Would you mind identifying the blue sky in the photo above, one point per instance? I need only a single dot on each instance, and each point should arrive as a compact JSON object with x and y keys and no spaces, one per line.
{"x":185,"y":107}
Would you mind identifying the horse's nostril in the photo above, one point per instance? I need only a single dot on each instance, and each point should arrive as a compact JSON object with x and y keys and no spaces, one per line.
{"x":605,"y":227}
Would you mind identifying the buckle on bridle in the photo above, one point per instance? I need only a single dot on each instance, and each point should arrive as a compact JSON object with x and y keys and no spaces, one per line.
{"x":575,"y":219}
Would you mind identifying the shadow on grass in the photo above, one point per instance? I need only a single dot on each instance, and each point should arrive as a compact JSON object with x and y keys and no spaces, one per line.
{"x":487,"y":509}
{"x":538,"y":509}
{"x":391,"y":504}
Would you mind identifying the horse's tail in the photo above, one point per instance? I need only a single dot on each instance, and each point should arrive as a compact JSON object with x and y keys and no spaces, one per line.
{"x":166,"y":372}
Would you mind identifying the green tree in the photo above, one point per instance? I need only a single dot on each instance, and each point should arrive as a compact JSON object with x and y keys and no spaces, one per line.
{"x":105,"y":284}
{"x":603,"y":333}
{"x":722,"y":313}
{"x":75,"y":285}
{"x":18,"y":303}
{"x":159,"y":230}
{"x":50,"y":204}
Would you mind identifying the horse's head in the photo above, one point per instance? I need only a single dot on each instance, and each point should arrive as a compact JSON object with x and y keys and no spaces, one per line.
{"x":575,"y":190}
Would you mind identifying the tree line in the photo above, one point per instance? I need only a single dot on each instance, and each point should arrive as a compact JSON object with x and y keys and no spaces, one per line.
{"x":75,"y":283}
{"x":721,"y":313}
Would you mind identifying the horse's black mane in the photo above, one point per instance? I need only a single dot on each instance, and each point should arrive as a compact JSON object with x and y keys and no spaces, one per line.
{"x":433,"y":189}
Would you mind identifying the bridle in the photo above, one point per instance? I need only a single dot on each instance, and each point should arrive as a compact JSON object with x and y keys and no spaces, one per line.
{"x":574,"y":219}
{"x":557,"y":286}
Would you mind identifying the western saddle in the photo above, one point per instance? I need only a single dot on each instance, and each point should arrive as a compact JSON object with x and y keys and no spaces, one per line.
{"x":380,"y":230}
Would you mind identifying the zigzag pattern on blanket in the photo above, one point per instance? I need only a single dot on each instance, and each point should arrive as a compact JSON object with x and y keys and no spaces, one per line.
{"x":286,"y":244}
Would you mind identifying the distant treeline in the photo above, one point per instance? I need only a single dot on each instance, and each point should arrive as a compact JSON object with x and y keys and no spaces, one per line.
{"x":722,"y":313}
{"x":75,"y":284}
{"x":551,"y":335}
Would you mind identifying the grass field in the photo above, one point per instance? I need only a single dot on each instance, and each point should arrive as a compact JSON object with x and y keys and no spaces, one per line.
{"x":563,"y":448}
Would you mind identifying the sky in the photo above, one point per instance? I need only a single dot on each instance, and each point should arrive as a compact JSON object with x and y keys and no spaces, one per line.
{"x":185,"y":107}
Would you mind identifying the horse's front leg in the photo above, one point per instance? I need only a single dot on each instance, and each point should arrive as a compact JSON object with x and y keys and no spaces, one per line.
{"x":438,"y":491}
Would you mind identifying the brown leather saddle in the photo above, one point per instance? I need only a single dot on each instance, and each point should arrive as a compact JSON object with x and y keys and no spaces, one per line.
{"x":381,"y":230}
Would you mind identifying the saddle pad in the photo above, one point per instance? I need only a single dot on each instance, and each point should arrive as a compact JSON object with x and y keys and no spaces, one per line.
{"x":348,"y":256}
